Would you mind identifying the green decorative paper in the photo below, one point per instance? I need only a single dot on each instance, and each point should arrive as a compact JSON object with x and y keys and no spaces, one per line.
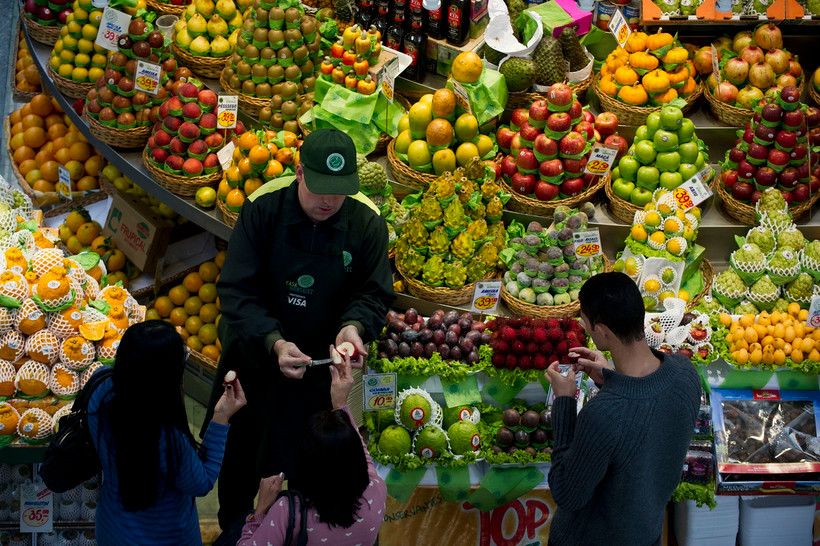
{"x":343,"y":102}
{"x":454,"y":483}
{"x":409,"y":381}
{"x":462,"y":393}
{"x":364,"y":135}
{"x":694,"y":284}
{"x":400,"y":485}
{"x":500,"y":391}
{"x":487,"y":96}
{"x":749,"y":379}
{"x":503,"y":485}
{"x":796,"y":381}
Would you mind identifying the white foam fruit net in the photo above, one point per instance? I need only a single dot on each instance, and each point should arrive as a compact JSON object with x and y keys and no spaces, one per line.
{"x":676,"y":335}
{"x":65,"y":410}
{"x":29,"y":318}
{"x":64,"y":382}
{"x":12,"y":346}
{"x":76,"y":353}
{"x":11,"y":430}
{"x":91,"y":288}
{"x":35,"y":424}
{"x":92,"y":315}
{"x":43,"y":346}
{"x":56,"y":302}
{"x":110,"y":352}
{"x":65,"y":323}
{"x":8,"y":320}
{"x":702,"y":320}
{"x":807,"y":261}
{"x":16,"y":287}
{"x":417,"y":414}
{"x":46,"y":258}
{"x":8,"y":221}
{"x":7,"y":372}
{"x":653,"y":338}
{"x":34,"y":371}
{"x":85,"y":375}
{"x":428,"y":452}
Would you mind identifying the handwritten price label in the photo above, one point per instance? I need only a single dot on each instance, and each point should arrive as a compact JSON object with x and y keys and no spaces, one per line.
{"x":36,"y":509}
{"x":114,"y":24}
{"x":715,"y":64}
{"x":227,"y":107}
{"x":225,"y":154}
{"x":388,"y":82}
{"x":485,"y":296}
{"x":601,"y":159}
{"x":619,"y":28}
{"x":379,"y":391}
{"x":813,"y":321}
{"x":147,"y":77}
{"x":587,"y":243}
{"x":461,"y":96}
{"x":36,"y":517}
{"x":694,"y":191}
{"x":64,"y":182}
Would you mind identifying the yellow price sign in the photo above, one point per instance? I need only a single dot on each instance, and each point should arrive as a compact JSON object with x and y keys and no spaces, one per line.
{"x":683,"y":198}
{"x":388,"y":91}
{"x":226,"y":119}
{"x":378,"y":402}
{"x":485,"y":302}
{"x":587,"y":249}
{"x":227,"y":109}
{"x":485,"y":296}
{"x":146,"y":82}
{"x":597,"y":166}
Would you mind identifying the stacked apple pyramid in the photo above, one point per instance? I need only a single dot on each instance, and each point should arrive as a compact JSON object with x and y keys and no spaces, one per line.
{"x":276,"y":52}
{"x":664,"y":154}
{"x":75,"y":55}
{"x":773,"y":151}
{"x":114,"y":101}
{"x":185,"y":139}
{"x":549,"y":146}
{"x":208,"y":29}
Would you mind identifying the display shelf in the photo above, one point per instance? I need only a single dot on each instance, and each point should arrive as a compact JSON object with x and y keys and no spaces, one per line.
{"x":18,"y":454}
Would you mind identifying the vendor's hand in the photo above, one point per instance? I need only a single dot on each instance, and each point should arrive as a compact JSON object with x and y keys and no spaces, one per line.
{"x":290,"y":357}
{"x":269,"y":489}
{"x":232,"y":399}
{"x":591,"y":363}
{"x":561,"y":385}
{"x":351,"y":333}
{"x":341,"y":382}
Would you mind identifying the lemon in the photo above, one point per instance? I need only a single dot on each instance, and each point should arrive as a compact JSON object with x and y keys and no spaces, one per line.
{"x":89,"y":32}
{"x":205,"y":197}
{"x":666,"y":294}
{"x":631,"y":267}
{"x":652,"y":285}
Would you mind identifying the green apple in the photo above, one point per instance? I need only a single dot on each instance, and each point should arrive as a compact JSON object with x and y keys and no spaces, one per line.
{"x":616,"y":173}
{"x":671,"y":118}
{"x":670,"y":181}
{"x":701,"y":160}
{"x":665,"y":141}
{"x":687,"y":171}
{"x":628,"y":167}
{"x":686,"y":132}
{"x":645,"y":152}
{"x":688,"y":152}
{"x":640,"y":196}
{"x":648,"y":177}
{"x":667,"y":162}
{"x":653,"y":124}
{"x":641,"y":133}
{"x":622,"y":188}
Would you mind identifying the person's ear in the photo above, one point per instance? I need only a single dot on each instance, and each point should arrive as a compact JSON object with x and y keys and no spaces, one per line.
{"x":298,"y":171}
{"x":603,"y":331}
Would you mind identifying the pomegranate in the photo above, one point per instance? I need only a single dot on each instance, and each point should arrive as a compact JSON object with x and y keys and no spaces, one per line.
{"x":736,"y":71}
{"x":761,"y":75}
{"x":703,"y":60}
{"x":795,"y":69}
{"x":752,"y":54}
{"x":742,"y":40}
{"x":768,"y":36}
{"x":779,"y":60}
{"x":726,"y":92}
{"x":711,"y":81}
{"x":785,"y":79}
{"x":724,"y":42}
{"x":748,"y":94}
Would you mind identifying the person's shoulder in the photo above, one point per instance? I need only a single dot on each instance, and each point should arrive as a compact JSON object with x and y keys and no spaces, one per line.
{"x":271,"y":192}
{"x":362,"y":207}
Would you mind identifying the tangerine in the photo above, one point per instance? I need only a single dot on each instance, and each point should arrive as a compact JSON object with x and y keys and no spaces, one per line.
{"x":80,"y":151}
{"x":208,"y":313}
{"x":164,"y":306}
{"x":207,"y":333}
{"x":76,"y":218}
{"x":32,"y":120}
{"x":178,"y":316}
{"x":178,"y":295}
{"x":34,"y":137}
{"x":115,"y":261}
{"x":259,"y":155}
{"x":87,"y":183}
{"x":49,"y":170}
{"x":22,"y":155}
{"x":467,"y":67}
{"x":192,"y":282}
{"x":192,"y":305}
{"x":88,"y":232}
{"x":44,"y":186}
{"x":56,"y":131}
{"x":26,"y":166}
{"x":41,"y":105}
{"x":219,"y":259}
{"x":207,"y":292}
{"x":208,"y":271}
{"x":211,"y":351}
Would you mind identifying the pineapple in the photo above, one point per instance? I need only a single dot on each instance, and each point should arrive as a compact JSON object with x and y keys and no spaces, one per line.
{"x":433,"y":271}
{"x":463,"y":245}
{"x":438,"y":242}
{"x":455,"y":275}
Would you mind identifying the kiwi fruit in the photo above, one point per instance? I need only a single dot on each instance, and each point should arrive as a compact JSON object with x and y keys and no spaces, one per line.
{"x":248,"y":87}
{"x":275,"y":73}
{"x":263,"y":90}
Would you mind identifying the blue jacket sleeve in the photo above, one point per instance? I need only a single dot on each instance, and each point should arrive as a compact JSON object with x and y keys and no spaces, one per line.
{"x":196,"y":476}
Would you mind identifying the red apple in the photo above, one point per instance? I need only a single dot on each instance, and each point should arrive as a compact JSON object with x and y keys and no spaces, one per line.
{"x":523,"y":183}
{"x":526,"y":161}
{"x":586,"y":129}
{"x":771,"y":113}
{"x":778,"y":158}
{"x":790,"y":94}
{"x":803,"y":172}
{"x":572,"y":143}
{"x":504,"y":138}
{"x":814,"y":184}
{"x":755,"y":197}
{"x":545,"y":146}
{"x":800,"y":193}
{"x":742,"y":191}
{"x":588,"y":116}
{"x":551,"y":168}
{"x":736,"y":155}
{"x":516,"y":144}
{"x":572,"y":187}
{"x":787,"y":197}
{"x":495,"y":167}
{"x":799,"y":152}
{"x":508,"y":166}
{"x":619,"y":142}
{"x":766,"y":176}
{"x":788,"y":178}
{"x":812,"y":116}
{"x":786,"y":140}
{"x":576,"y":111}
{"x":544,"y":191}
{"x":606,"y":123}
{"x":528,"y":134}
{"x":559,"y":94}
{"x":560,"y":122}
{"x":794,"y":118}
{"x":575,"y":166}
{"x":729,"y":177}
{"x":538,"y":113}
{"x":519,"y":117}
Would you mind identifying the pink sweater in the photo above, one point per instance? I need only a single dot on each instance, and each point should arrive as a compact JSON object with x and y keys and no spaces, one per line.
{"x":271,"y":530}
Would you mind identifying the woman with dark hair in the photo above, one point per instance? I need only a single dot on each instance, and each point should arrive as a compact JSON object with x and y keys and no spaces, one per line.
{"x":343,"y":494}
{"x":152,"y":466}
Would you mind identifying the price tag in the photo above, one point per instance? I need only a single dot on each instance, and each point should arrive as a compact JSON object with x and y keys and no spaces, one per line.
{"x":485,"y":296}
{"x":225,"y":154}
{"x":715,"y":64}
{"x":36,"y":509}
{"x":64,"y":182}
{"x":461,"y":96}
{"x":114,"y":23}
{"x":601,"y":159}
{"x":227,"y":107}
{"x":388,"y":82}
{"x":694,"y":191}
{"x":587,"y":243}
{"x":813,"y":321}
{"x":379,"y":391}
{"x":619,"y":28}
{"x":147,"y":77}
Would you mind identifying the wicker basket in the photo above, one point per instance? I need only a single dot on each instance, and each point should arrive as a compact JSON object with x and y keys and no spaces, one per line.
{"x":206,"y":67}
{"x":636,"y":115}
{"x":403,"y":173}
{"x":815,"y":96}
{"x":726,"y":113}
{"x":250,"y":105}
{"x":443,"y":295}
{"x":524,"y":309}
{"x":121,"y":138}
{"x":745,"y":214}
{"x":69,"y":88}
{"x":228,"y":217}
{"x":164,"y":8}
{"x":18,"y":95}
{"x":178,"y":184}
{"x":708,"y":274}
{"x":622,"y":209}
{"x":529,"y":205}
{"x":40,"y":33}
{"x":68,"y":206}
{"x":523,"y":100}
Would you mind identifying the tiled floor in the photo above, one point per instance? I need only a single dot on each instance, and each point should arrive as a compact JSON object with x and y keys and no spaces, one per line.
{"x":207,"y":505}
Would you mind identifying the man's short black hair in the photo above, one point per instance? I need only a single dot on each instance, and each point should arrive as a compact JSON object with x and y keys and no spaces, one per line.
{"x":613,"y":299}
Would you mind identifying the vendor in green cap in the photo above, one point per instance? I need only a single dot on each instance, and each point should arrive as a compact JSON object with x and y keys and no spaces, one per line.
{"x":306,"y":268}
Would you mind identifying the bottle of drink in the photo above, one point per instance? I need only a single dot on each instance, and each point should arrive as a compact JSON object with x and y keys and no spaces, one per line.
{"x":415,"y":45}
{"x":382,"y":18}
{"x":458,"y":22}
{"x":395,"y":32}
{"x":412,"y":6}
{"x":363,"y":16}
{"x":436,"y":27}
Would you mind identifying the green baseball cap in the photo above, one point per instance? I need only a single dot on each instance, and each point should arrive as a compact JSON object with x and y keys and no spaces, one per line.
{"x":328,"y":158}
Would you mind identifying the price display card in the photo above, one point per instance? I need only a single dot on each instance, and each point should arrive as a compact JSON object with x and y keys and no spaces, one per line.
{"x":461,"y":96}
{"x":379,"y":390}
{"x":389,"y":73}
{"x":36,"y":508}
{"x":694,"y":191}
{"x":601,"y":159}
{"x":619,"y":27}
{"x":485,"y":296}
{"x":227,"y":107}
{"x":225,"y":154}
{"x":147,"y":77}
{"x":587,"y":243}
{"x":113,"y":24}
{"x":813,"y":321}
{"x":64,"y":182}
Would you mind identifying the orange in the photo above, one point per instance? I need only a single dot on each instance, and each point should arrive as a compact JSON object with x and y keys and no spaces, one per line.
{"x":178,"y":316}
{"x":208,"y":271}
{"x":219,"y":259}
{"x":62,"y":156}
{"x":208,"y":312}
{"x":23,"y":154}
{"x":27,"y":165}
{"x":33,"y":121}
{"x":467,"y":67}
{"x":192,"y":282}
{"x":75,"y":169}
{"x":76,"y":218}
{"x":15,"y":117}
{"x":41,"y":105}
{"x":211,"y":351}
{"x":44,"y":186}
{"x":80,"y":151}
{"x":115,"y":261}
{"x":58,"y":143}
{"x":207,"y":333}
{"x":259,"y":155}
{"x":207,"y":292}
{"x":17,"y":128}
{"x":290,"y":139}
{"x":193,"y":324}
{"x":17,"y":141}
{"x":88,"y":232}
{"x":192,"y":340}
{"x":284,"y":156}
{"x":235,"y":198}
{"x":252,"y":184}
{"x":87,"y":183}
{"x":178,"y":295}
{"x":49,"y":171}
{"x":43,"y":156}
{"x":54,"y":119}
{"x":164,"y":306}
{"x":100,"y":245}
{"x":192,"y":305}
{"x":247,"y":141}
{"x":34,"y":137}
{"x":25,"y":110}
{"x":152,"y":314}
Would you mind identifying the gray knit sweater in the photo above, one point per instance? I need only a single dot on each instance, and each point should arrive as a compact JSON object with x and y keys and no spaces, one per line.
{"x":615,"y":464}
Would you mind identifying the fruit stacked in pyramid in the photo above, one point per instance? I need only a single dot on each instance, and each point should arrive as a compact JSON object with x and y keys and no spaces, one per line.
{"x":208,"y":29}
{"x":76,"y":56}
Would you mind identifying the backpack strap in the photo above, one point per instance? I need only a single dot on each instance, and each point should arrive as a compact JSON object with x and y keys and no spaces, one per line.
{"x":291,"y":516}
{"x":84,"y":396}
{"x":301,"y":538}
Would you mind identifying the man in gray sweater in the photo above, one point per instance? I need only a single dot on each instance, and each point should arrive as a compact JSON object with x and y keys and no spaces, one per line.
{"x":616,"y":463}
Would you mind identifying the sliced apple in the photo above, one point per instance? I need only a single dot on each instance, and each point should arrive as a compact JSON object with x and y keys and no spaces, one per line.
{"x":230,"y":377}
{"x":349,"y":349}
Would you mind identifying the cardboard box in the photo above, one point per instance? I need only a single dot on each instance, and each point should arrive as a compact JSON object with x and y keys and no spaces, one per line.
{"x":444,"y":53}
{"x":141,"y":234}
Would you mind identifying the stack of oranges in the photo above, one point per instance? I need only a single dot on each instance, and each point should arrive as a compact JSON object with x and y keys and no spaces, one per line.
{"x":27,"y":77}
{"x":193,"y":305}
{"x":772,"y":339}
{"x":43,"y":138}
{"x":259,"y":156}
{"x":79,"y":233}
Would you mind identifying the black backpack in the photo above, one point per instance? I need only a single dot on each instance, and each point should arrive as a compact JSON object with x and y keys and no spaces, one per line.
{"x":71,"y":457}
